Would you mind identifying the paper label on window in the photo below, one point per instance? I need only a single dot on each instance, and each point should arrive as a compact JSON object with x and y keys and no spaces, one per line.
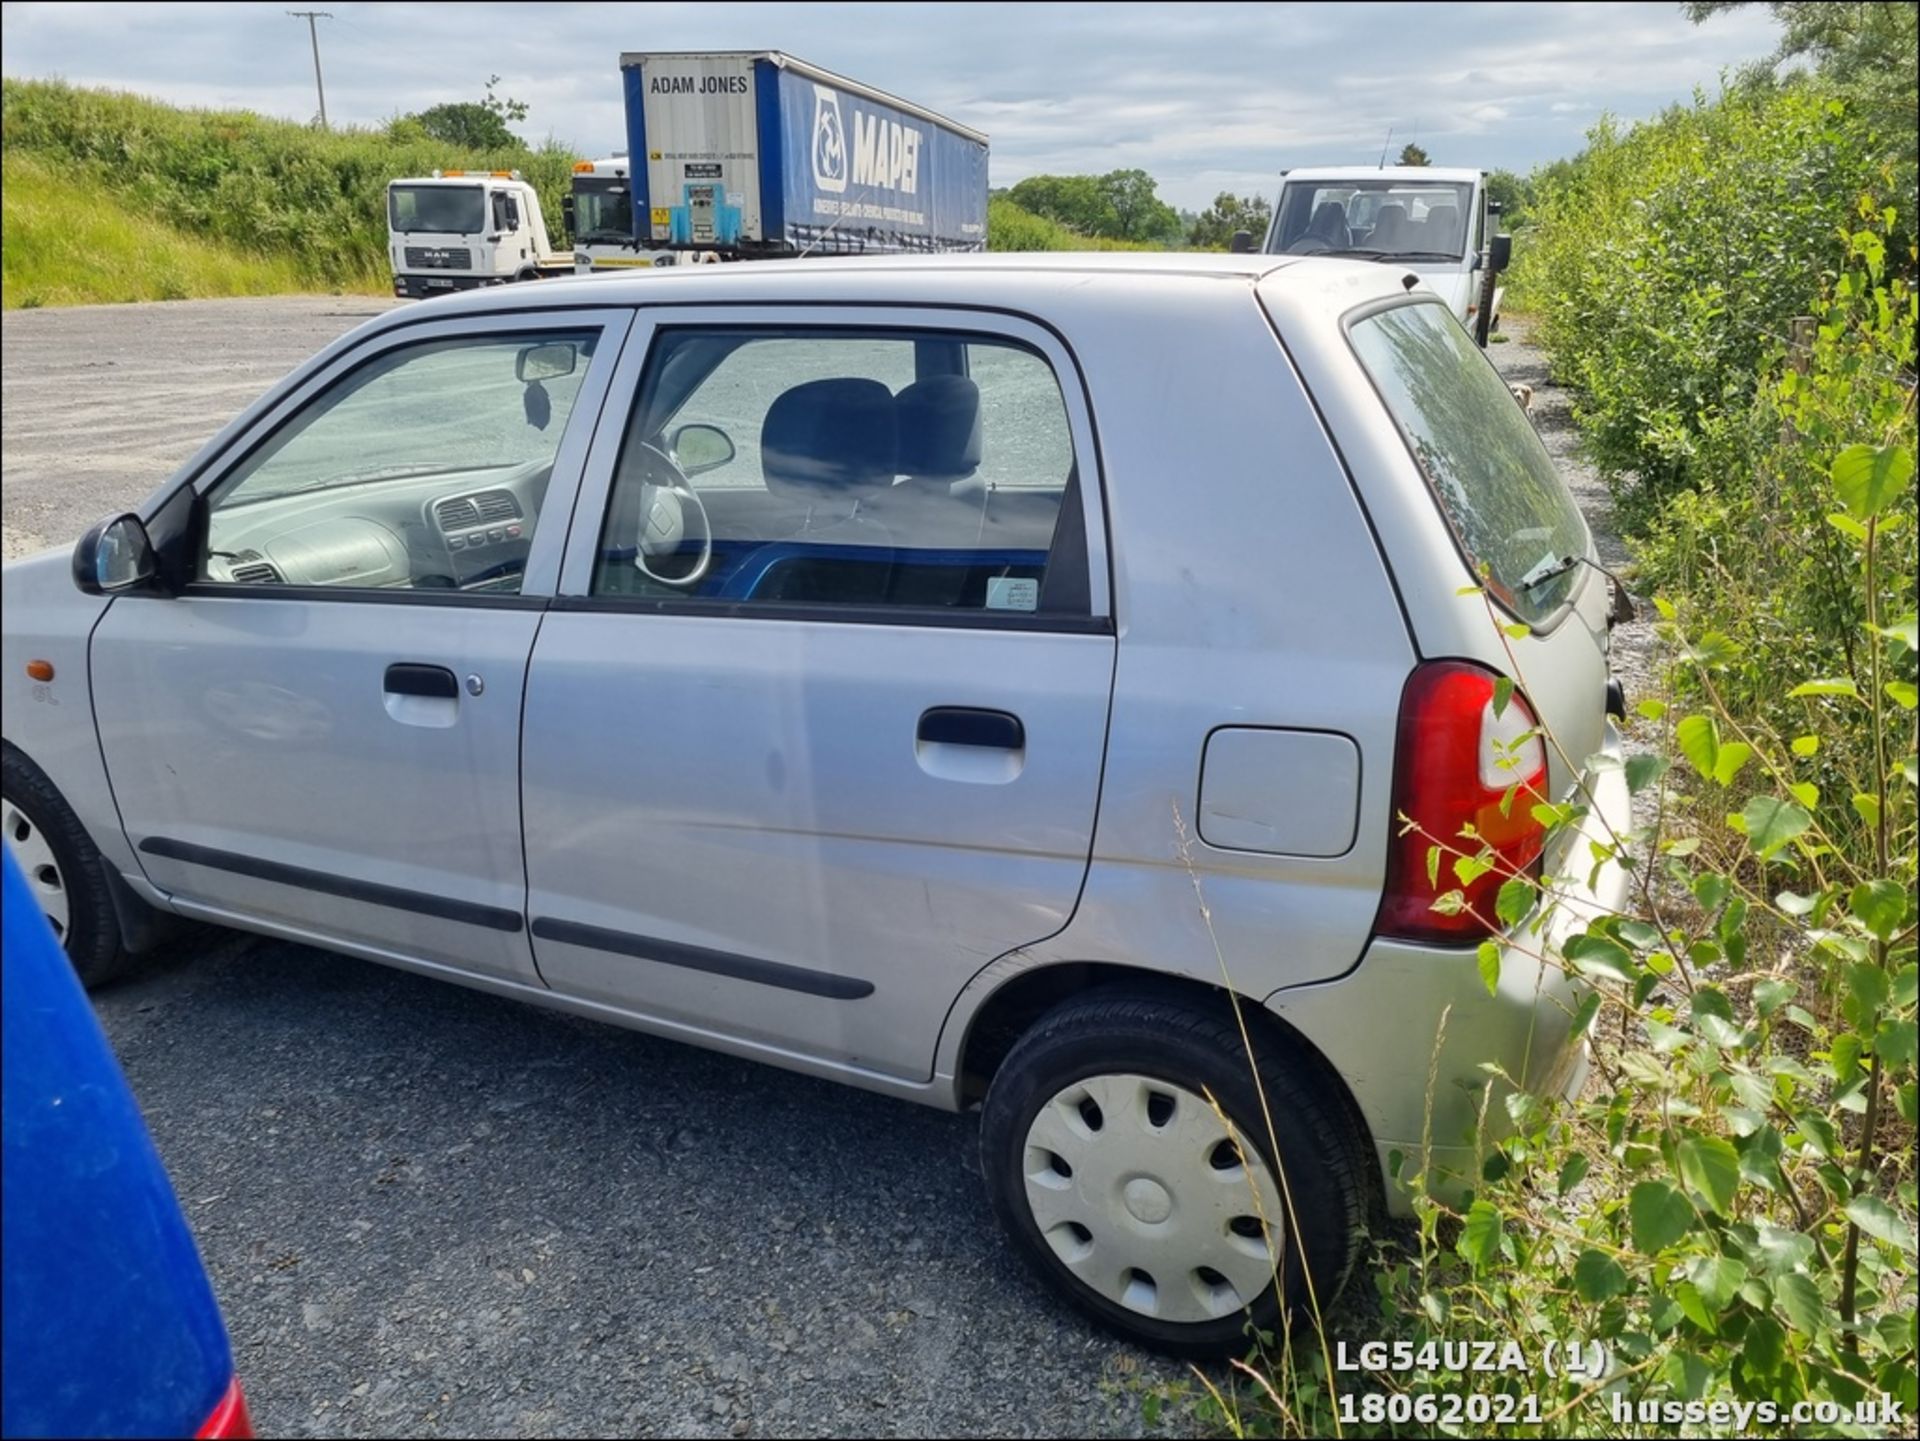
{"x":1005,"y":592}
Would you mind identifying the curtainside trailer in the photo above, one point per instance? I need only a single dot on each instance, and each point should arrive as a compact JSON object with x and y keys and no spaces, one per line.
{"x":753,"y":154}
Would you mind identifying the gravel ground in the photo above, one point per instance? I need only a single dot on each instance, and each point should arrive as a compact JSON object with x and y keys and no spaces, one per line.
{"x":103,"y":402}
{"x":431,"y":1212}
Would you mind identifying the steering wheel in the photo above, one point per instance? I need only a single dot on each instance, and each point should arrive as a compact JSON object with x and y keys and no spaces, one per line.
{"x":667,"y":501}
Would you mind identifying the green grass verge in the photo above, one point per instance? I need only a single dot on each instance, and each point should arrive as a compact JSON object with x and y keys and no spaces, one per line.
{"x":69,"y":241}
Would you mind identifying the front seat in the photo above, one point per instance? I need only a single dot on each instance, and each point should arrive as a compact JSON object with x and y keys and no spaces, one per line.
{"x":1443,"y":229}
{"x":829,"y":446}
{"x":1327,"y":230}
{"x":1391,"y":229}
{"x":939,"y":450}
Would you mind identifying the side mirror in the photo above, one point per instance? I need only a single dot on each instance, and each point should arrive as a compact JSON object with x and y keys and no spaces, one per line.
{"x":566,"y":210}
{"x":1502,"y":249}
{"x":697,"y":449}
{"x":545,"y":362}
{"x":513,"y":213}
{"x":1242,"y":242}
{"x":114,"y":556}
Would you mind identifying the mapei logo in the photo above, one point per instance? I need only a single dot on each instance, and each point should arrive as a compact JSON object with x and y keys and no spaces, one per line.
{"x":829,"y":142}
{"x":885,"y":154}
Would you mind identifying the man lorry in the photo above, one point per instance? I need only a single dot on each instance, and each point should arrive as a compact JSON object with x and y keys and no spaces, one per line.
{"x":741,"y":155}
{"x":462,"y":229}
{"x":1436,"y":222}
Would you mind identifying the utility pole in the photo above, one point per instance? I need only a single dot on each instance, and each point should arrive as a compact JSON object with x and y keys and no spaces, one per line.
{"x":313,"y":34}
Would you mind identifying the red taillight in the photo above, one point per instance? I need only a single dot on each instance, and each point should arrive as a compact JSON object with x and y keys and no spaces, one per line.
{"x":230,"y":1417}
{"x":1455,"y":765}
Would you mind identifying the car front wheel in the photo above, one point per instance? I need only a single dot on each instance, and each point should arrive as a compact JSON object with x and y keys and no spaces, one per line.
{"x":64,"y":870}
{"x":1128,"y":1149}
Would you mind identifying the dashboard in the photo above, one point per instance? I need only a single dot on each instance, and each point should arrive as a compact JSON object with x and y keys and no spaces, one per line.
{"x":448,"y":530}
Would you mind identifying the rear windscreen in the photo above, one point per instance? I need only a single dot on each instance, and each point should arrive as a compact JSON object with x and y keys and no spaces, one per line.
{"x":1493,"y":478}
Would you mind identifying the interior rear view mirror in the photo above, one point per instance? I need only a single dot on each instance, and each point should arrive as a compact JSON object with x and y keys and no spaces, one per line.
{"x":546,"y":362}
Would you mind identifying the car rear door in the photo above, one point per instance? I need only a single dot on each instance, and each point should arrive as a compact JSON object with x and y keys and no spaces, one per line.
{"x":794,"y":799}
{"x":321,"y":735}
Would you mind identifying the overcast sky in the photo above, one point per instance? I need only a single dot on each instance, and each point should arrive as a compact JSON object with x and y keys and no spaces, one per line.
{"x":1206,"y":97}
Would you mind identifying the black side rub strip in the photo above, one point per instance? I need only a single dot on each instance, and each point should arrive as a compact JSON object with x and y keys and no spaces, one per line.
{"x":494,"y":918}
{"x":699,"y":958}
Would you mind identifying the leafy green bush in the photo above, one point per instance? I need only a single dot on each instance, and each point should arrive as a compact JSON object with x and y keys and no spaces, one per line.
{"x":1010,"y":227}
{"x":1757,"y":566}
{"x":266,"y":188}
{"x":1668,"y":261}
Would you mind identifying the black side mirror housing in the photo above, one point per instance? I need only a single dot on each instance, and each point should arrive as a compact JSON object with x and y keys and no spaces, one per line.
{"x":566,"y":210}
{"x":1501,"y":247}
{"x":1242,"y":242}
{"x":115,"y":556}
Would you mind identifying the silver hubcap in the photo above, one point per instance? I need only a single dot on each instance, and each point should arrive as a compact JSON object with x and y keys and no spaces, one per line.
{"x":35,"y":857}
{"x":1143,"y":1191}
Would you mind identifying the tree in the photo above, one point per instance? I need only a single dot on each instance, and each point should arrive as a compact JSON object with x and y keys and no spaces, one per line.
{"x":1869,"y":48}
{"x":1139,"y":212}
{"x":1411,"y":154}
{"x":1213,"y":228}
{"x":475,"y":124}
{"x":1076,"y":201}
{"x":1512,"y":193}
{"x":1120,"y":205}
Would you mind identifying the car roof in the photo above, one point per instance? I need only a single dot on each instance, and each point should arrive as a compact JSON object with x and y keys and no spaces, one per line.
{"x":1377,"y":172}
{"x":981,"y":280}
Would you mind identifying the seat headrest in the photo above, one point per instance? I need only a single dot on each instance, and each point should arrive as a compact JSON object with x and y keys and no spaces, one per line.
{"x":830,"y":438}
{"x":1389,"y":224}
{"x":1329,"y":221}
{"x":1443,"y":223}
{"x":939,"y":420}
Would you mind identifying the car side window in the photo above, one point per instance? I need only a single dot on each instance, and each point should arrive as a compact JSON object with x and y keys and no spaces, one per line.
{"x":424,"y":468}
{"x":911,"y":470}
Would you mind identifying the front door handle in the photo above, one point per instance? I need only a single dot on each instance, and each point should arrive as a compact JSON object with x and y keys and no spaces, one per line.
{"x":434,"y":682}
{"x":955,"y":725}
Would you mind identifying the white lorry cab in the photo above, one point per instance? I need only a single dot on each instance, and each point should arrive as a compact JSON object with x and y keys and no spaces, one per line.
{"x":599,"y":212}
{"x":462,"y":229}
{"x":1435,"y":222}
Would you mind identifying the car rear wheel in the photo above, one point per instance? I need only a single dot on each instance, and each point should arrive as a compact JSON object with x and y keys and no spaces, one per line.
{"x":63,"y":868}
{"x":1128,"y":1152}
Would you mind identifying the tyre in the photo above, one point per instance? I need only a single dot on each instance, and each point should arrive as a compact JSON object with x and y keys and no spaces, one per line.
{"x":63,"y":868}
{"x":1122,"y":1183}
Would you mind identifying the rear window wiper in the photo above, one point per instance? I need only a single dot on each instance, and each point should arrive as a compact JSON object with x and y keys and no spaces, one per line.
{"x":1552,"y":568}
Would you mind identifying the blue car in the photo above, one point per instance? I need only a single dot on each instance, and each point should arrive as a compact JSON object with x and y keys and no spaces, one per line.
{"x":111,"y":1328}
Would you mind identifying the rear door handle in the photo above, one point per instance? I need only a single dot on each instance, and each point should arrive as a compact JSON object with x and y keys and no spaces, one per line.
{"x":955,"y":725}
{"x":433,"y":681}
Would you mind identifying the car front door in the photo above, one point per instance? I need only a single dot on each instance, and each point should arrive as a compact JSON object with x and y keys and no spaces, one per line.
{"x":320,"y":735}
{"x":815,"y":729}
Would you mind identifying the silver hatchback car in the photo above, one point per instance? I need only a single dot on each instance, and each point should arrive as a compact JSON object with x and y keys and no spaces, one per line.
{"x":992,"y":681}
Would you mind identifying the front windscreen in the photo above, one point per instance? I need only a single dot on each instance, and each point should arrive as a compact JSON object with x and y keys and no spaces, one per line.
{"x":1410,"y":220}
{"x":603,"y":211}
{"x":444,"y":209}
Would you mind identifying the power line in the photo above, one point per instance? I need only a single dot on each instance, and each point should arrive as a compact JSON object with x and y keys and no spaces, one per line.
{"x":313,"y":34}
